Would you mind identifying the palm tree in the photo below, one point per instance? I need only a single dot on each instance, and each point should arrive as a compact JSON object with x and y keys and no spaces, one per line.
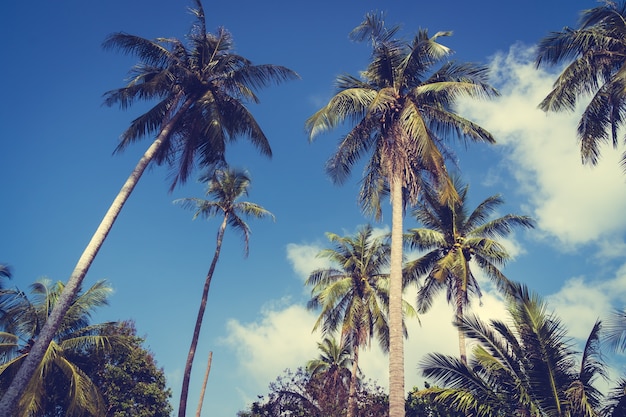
{"x":454,"y":236}
{"x":333,"y":365}
{"x":59,"y":374}
{"x":402,"y":111}
{"x":616,"y":330}
{"x":201,"y":89}
{"x":353,"y":295}
{"x":526,"y":366}
{"x":226,"y":187}
{"x":595,"y":54}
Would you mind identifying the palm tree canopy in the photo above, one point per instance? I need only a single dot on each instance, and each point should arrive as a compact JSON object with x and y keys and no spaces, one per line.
{"x":202,"y":86}
{"x":452,"y":236}
{"x":525,"y":366}
{"x":225,"y":187}
{"x":402,"y":110}
{"x":353,"y":293}
{"x":21,"y":320}
{"x":595,"y":54}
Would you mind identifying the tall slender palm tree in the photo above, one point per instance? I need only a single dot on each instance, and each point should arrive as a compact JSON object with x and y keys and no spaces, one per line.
{"x":402,"y":111}
{"x":526,"y":366}
{"x":453,"y":236}
{"x":200,"y":89}
{"x":595,"y":54}
{"x":59,"y":375}
{"x":353,"y":295}
{"x":225,"y":187}
{"x":333,"y":365}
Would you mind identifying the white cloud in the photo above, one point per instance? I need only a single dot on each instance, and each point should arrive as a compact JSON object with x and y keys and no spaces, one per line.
{"x":304,"y":260}
{"x":572,"y":203}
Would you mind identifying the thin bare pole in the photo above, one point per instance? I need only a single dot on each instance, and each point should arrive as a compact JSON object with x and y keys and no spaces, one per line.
{"x":206,"y":378}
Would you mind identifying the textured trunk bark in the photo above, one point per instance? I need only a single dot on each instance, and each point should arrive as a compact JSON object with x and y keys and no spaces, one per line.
{"x":31,"y":362}
{"x":206,"y":378}
{"x":184,"y":393}
{"x":396,"y":334}
{"x":462,"y":346}
{"x":353,"y":380}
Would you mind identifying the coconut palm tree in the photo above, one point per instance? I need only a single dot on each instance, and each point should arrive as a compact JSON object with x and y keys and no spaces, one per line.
{"x":59,"y":374}
{"x":201,"y":89}
{"x":525,"y":366}
{"x":353,"y":295}
{"x":402,"y":111}
{"x":225,"y":187}
{"x":454,"y":239}
{"x":333,"y":365}
{"x":595,"y":54}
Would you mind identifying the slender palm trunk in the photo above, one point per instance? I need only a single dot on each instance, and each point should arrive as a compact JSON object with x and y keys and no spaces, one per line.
{"x":353,"y":381}
{"x":31,"y":362}
{"x":462,"y":346}
{"x":396,"y":334}
{"x":206,"y":378}
{"x":184,"y":393}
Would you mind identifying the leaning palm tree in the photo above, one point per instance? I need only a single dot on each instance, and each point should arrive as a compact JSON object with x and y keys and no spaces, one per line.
{"x":225,"y":187}
{"x":595,"y":54}
{"x":526,"y":366}
{"x":200,"y":88}
{"x":454,"y":238}
{"x":353,"y":295}
{"x":59,"y":375}
{"x":402,"y":110}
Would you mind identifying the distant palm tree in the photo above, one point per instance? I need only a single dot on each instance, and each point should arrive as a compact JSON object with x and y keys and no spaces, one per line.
{"x":226,"y":187}
{"x":453,"y":237}
{"x":353,"y":295}
{"x":525,"y":366}
{"x":201,"y":88}
{"x":595,"y":54}
{"x":333,"y":365}
{"x":402,"y":112}
{"x":58,"y":375}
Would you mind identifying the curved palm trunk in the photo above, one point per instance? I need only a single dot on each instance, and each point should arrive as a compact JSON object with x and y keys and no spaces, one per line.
{"x":184,"y":393}
{"x":27,"y":370}
{"x":396,"y":334}
{"x":353,"y":381}
{"x":206,"y":378}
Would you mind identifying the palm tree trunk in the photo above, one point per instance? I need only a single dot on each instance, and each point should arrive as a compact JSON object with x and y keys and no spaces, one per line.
{"x":396,"y":333}
{"x":462,"y":346}
{"x":206,"y":378}
{"x":353,"y":381}
{"x":184,"y":393}
{"x":31,"y":362}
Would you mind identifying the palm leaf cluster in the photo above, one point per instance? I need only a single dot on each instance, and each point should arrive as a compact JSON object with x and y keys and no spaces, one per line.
{"x":526,"y":366}
{"x":200,"y":88}
{"x":60,"y":378}
{"x":595,"y":54}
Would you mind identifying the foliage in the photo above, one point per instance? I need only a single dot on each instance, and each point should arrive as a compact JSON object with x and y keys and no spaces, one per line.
{"x":298,"y":394}
{"x":526,"y":368}
{"x":421,"y":406}
{"x":595,"y":58}
{"x":128,"y":377}
{"x":62,"y":385}
{"x":456,"y":238}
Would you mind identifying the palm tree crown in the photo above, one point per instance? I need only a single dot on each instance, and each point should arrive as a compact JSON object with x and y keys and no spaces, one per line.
{"x":200,"y":90}
{"x":59,"y":376}
{"x":595,"y":54}
{"x":453,"y":237}
{"x":402,"y":112}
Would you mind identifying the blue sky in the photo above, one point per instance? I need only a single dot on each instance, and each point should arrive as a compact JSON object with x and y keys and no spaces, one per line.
{"x":58,"y":177}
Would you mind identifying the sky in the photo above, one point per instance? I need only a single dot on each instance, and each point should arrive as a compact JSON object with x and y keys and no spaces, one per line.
{"x":58,"y":176}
